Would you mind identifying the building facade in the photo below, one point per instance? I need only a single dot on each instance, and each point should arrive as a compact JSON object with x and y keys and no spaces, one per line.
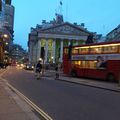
{"x":9,"y":18}
{"x":6,"y":29}
{"x":47,"y":40}
{"x":2,"y":12}
{"x":18,"y":54}
{"x":114,"y":35}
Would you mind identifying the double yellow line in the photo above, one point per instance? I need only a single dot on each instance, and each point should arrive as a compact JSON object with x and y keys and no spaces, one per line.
{"x":35,"y":107}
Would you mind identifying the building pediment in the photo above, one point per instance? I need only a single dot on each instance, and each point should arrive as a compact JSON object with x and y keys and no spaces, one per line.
{"x":66,"y":28}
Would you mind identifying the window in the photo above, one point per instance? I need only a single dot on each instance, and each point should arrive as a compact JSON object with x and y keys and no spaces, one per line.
{"x":110,"y":49}
{"x":83,"y":50}
{"x":75,"y":51}
{"x":85,"y":64}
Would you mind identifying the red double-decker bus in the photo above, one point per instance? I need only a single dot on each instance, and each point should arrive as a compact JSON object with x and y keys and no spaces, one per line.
{"x":99,"y":61}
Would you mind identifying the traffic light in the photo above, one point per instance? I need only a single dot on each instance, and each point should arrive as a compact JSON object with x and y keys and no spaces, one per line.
{"x":42,"y":53}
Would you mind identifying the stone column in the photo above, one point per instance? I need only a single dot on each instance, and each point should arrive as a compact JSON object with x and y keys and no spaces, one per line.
{"x":61,"y":51}
{"x":38,"y":50}
{"x":54,"y":50}
{"x":46,"y":51}
{"x":69,"y":42}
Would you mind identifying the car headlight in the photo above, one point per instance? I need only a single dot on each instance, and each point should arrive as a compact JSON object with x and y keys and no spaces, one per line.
{"x":22,"y":65}
{"x":18,"y":65}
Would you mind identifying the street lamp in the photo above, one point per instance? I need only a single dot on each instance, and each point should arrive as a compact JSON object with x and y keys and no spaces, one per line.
{"x":6,"y":43}
{"x":3,"y":38}
{"x":52,"y":59}
{"x":40,"y":59}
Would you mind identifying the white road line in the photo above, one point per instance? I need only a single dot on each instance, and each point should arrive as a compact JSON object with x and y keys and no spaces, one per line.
{"x":35,"y":107}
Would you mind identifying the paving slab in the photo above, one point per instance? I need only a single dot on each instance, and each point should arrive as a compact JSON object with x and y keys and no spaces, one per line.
{"x":12,"y":107}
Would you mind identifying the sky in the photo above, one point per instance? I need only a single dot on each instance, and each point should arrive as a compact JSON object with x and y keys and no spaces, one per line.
{"x":99,"y":16}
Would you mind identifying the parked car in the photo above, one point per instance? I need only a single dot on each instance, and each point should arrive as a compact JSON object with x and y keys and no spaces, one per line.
{"x":29,"y":67}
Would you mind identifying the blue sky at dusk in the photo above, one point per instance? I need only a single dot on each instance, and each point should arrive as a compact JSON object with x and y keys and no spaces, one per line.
{"x":99,"y":16}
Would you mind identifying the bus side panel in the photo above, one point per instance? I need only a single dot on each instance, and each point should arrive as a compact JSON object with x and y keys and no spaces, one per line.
{"x":80,"y":72}
{"x":91,"y":73}
{"x":66,"y":67}
{"x":113,"y":67}
{"x":95,"y":73}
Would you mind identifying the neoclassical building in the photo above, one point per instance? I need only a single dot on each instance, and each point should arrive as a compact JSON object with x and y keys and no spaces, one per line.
{"x":50,"y":38}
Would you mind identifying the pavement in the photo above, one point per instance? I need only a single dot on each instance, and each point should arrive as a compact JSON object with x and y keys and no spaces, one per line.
{"x":106,"y":85}
{"x":12,"y":107}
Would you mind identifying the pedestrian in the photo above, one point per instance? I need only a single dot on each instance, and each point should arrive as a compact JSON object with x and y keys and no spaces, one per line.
{"x":57,"y":69}
{"x":39,"y":69}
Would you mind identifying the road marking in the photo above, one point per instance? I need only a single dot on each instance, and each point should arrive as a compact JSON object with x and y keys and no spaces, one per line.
{"x":35,"y":107}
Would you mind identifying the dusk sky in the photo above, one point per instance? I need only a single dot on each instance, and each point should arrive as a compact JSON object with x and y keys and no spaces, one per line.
{"x":99,"y":16}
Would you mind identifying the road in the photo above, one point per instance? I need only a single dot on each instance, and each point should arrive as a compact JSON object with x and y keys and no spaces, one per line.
{"x":64,"y":100}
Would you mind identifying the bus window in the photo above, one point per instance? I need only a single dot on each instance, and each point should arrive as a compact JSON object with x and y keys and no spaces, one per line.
{"x":92,"y":64}
{"x":98,"y":50}
{"x":74,"y":51}
{"x":86,"y":64}
{"x":119,"y":49}
{"x":83,"y":50}
{"x":89,"y":64}
{"x":110,"y":49}
{"x":94,"y":50}
{"x":114,"y":49}
{"x":76,"y":63}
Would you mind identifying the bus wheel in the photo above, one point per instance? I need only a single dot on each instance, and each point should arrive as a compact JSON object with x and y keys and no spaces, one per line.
{"x":110,"y":77}
{"x":73,"y":74}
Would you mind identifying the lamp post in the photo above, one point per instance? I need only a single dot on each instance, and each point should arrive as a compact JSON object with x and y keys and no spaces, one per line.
{"x":3,"y":38}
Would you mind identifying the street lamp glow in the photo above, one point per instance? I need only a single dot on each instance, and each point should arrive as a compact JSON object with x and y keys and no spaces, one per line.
{"x":6,"y":43}
{"x":40,"y":59}
{"x":5,"y":36}
{"x":5,"y":51}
